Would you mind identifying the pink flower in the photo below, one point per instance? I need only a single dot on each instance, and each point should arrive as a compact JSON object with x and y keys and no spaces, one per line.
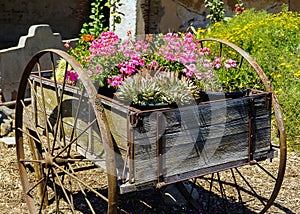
{"x":218,"y":65}
{"x":230,"y":63}
{"x":67,"y":44}
{"x":189,"y":37}
{"x":115,"y":81}
{"x":190,"y":70}
{"x":188,"y":73}
{"x":153,"y":64}
{"x":111,"y":60}
{"x":170,"y":56}
{"x":142,"y":46}
{"x":71,"y":76}
{"x":227,"y":65}
{"x":105,"y":44}
{"x":217,"y":60}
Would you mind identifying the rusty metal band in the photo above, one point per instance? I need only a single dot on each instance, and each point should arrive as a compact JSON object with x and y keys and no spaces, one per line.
{"x":251,"y":130}
{"x":159,"y":147}
{"x":131,"y":124}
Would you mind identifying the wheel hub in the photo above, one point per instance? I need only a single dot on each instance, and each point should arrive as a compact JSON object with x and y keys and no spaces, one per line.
{"x":49,"y":160}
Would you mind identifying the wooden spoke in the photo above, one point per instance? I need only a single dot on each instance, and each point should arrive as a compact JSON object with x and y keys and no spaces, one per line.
{"x":82,"y":183}
{"x":75,"y":139}
{"x":266,"y":171}
{"x":250,"y":186}
{"x":83,"y":192}
{"x":50,"y":132}
{"x":43,"y":103}
{"x":64,"y":190}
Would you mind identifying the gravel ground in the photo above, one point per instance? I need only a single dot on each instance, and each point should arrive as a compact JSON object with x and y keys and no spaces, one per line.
{"x":12,"y":201}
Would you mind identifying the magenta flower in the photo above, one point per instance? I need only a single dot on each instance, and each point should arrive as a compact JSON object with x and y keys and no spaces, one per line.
{"x":153,"y":64}
{"x":71,"y":76}
{"x":115,"y":81}
{"x":127,"y":68}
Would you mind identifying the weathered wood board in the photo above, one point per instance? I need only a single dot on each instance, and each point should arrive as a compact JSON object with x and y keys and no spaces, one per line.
{"x":172,"y":144}
{"x":201,"y":136}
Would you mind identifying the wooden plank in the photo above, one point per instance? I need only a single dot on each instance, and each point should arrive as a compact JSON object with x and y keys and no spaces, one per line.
{"x":227,"y":143}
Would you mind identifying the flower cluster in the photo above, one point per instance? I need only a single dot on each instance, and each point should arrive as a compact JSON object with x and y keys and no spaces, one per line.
{"x":112,"y":60}
{"x":71,"y":76}
{"x":88,"y":37}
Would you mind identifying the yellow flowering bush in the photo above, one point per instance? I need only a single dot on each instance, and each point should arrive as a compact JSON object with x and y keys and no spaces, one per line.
{"x":273,"y":40}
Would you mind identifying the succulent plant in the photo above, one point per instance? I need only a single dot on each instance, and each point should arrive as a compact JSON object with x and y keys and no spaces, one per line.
{"x":140,"y":88}
{"x":163,"y":87}
{"x":174,"y":90}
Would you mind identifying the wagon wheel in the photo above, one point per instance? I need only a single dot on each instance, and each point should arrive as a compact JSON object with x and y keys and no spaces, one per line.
{"x":58,"y":140}
{"x":255,"y":186}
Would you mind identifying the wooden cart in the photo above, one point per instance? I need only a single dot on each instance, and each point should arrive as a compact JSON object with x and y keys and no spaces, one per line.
{"x":78,"y":149}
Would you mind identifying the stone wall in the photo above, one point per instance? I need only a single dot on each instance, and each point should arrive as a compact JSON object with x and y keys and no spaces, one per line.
{"x":65,"y":17}
{"x":162,"y":16}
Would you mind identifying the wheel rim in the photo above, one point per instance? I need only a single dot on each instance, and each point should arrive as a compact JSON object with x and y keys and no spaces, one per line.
{"x":250,"y":187}
{"x":51,"y":148}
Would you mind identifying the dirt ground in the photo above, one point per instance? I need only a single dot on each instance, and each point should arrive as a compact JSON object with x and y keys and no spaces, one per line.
{"x":12,"y":201}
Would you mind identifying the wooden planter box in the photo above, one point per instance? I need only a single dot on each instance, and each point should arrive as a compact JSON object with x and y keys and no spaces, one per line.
{"x":165,"y":145}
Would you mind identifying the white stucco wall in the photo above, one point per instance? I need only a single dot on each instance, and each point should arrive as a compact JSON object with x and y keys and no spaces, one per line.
{"x":13,"y":60}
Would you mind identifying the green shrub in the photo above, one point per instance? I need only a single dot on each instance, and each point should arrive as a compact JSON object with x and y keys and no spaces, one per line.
{"x":99,"y":17}
{"x":216,"y":10}
{"x":273,"y":40}
{"x":101,"y":11}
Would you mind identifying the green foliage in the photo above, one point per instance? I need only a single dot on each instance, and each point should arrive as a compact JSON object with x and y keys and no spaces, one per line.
{"x":238,"y":79}
{"x":99,"y":20}
{"x":81,"y":51}
{"x":116,"y":14}
{"x":61,"y":69}
{"x":273,"y":40}
{"x":216,"y":10}
{"x":101,"y":10}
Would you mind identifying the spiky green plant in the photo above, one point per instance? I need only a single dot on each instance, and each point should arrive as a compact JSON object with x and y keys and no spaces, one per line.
{"x":139,"y":89}
{"x":163,"y":87}
{"x":174,"y":90}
